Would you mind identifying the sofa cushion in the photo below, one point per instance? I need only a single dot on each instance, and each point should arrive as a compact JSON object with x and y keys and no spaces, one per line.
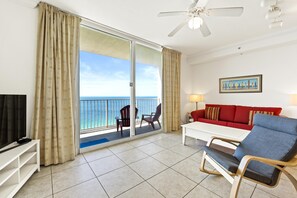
{"x":212,"y":113}
{"x":217,"y":122}
{"x":276,"y":110}
{"x":252,"y":113}
{"x":239,"y":125}
{"x":227,"y":112}
{"x":242,"y":112}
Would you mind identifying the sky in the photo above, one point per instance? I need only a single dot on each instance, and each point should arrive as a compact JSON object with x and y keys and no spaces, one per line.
{"x":107,"y":76}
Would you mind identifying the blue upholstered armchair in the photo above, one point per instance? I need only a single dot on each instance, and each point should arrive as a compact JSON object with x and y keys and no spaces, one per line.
{"x":260,"y":157}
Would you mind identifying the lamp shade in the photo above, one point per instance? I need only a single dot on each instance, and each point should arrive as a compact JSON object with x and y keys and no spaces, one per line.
{"x":294,"y":99}
{"x":196,"y":98}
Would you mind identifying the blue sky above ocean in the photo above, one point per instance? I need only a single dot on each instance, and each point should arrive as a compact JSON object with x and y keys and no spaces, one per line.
{"x":107,"y":76}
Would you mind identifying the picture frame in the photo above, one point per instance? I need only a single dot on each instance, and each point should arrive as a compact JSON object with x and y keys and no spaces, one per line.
{"x":241,"y":84}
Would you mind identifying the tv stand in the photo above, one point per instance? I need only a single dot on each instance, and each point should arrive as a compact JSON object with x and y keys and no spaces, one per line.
{"x":17,"y":166}
{"x":4,"y":150}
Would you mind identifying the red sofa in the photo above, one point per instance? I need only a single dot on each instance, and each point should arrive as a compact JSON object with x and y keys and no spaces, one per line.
{"x":233,"y":115}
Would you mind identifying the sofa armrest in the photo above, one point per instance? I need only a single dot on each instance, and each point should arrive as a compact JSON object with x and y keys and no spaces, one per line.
{"x":198,"y":114}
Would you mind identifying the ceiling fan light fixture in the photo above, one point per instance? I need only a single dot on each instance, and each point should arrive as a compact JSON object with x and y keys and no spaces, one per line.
{"x":273,"y":13}
{"x":195,"y":23}
{"x":276,"y":24}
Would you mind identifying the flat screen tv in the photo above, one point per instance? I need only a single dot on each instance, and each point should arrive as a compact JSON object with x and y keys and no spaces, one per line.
{"x":12,"y":118}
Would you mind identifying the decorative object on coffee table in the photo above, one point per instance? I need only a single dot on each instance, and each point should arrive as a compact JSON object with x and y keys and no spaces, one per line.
{"x":241,"y":84}
{"x":189,"y":118}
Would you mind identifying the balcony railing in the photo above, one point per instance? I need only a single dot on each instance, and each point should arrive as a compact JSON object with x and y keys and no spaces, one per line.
{"x":101,"y":113}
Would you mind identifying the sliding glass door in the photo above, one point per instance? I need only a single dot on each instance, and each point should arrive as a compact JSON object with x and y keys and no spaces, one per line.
{"x":148,"y":88}
{"x":104,"y":85}
{"x":116,"y":73}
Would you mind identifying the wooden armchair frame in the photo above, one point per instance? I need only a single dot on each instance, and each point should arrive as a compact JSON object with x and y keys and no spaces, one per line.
{"x":236,"y":178}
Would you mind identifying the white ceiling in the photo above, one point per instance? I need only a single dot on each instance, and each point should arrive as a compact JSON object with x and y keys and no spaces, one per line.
{"x":139,"y":18}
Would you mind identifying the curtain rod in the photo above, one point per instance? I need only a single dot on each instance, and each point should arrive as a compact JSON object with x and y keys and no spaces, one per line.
{"x":106,"y":27}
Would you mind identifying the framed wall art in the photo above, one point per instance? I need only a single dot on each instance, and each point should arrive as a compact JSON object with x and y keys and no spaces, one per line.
{"x":241,"y":84}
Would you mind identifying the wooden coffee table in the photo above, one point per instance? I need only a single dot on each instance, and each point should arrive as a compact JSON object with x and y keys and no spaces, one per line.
{"x":204,"y":131}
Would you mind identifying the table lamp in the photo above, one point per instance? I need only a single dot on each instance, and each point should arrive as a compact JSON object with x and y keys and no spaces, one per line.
{"x":196,"y":98}
{"x":294,"y":99}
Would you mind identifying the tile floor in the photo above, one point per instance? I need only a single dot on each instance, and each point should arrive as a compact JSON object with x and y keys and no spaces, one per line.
{"x":112,"y":134}
{"x":155,"y":166}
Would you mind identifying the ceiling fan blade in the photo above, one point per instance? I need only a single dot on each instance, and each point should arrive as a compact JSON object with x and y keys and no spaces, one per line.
{"x":204,"y":29}
{"x":192,"y":5}
{"x":173,"y":13}
{"x":180,"y":26}
{"x":231,"y":11}
{"x":202,"y":3}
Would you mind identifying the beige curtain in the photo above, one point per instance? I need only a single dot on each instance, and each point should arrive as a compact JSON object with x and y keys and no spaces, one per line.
{"x":57,"y":63}
{"x":171,"y":90}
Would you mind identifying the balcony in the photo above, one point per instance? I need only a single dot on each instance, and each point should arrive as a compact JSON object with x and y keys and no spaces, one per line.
{"x":97,"y":117}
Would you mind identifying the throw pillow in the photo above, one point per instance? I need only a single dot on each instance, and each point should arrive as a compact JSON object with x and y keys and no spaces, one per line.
{"x":212,"y":113}
{"x":252,"y":113}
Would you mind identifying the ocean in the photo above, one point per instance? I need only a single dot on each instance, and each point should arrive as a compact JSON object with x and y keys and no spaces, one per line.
{"x":101,"y":111}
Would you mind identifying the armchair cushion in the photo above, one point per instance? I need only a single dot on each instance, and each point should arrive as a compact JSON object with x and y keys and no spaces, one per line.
{"x":271,"y":137}
{"x":282,"y":124}
{"x":231,"y":164}
{"x":228,"y":161}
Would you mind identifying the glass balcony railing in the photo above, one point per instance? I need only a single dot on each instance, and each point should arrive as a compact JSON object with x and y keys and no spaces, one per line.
{"x":98,"y":113}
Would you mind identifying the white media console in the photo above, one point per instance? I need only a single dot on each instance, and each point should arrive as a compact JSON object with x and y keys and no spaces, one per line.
{"x":17,"y":166}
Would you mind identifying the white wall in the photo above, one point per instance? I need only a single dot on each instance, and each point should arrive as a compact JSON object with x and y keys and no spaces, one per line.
{"x":18,"y":36}
{"x":278,"y":65}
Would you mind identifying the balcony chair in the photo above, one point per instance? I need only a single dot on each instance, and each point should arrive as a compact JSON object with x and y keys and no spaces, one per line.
{"x":124,"y":121}
{"x":260,"y":157}
{"x":151,"y":118}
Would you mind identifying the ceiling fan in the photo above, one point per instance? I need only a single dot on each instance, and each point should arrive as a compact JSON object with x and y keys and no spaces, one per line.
{"x":196,"y":13}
